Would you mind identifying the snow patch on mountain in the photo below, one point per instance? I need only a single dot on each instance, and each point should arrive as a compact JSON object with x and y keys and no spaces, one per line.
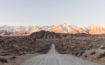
{"x":67,"y":28}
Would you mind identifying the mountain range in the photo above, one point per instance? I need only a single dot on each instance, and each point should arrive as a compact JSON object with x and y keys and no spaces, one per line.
{"x":62,"y":28}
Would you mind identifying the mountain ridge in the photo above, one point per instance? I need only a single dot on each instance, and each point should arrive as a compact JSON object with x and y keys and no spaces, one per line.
{"x":62,"y":28}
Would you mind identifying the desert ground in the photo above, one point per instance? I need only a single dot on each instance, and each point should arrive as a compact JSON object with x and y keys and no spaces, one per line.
{"x":14,"y":51}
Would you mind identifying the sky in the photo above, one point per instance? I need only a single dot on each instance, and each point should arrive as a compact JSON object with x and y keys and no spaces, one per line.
{"x":52,"y":12}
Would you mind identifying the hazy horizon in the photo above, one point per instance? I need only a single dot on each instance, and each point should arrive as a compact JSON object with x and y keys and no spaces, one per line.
{"x":47,"y":12}
{"x":53,"y":24}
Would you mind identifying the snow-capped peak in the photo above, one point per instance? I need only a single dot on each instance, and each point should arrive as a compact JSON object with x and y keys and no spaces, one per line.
{"x":62,"y":28}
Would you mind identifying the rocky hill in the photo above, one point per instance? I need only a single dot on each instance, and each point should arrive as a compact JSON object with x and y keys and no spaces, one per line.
{"x":48,"y":35}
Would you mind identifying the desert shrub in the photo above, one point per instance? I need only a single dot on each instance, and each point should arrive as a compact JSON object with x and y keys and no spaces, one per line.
{"x":93,"y":53}
{"x":12,"y":58}
{"x":101,"y":55}
{"x":3,"y":60}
